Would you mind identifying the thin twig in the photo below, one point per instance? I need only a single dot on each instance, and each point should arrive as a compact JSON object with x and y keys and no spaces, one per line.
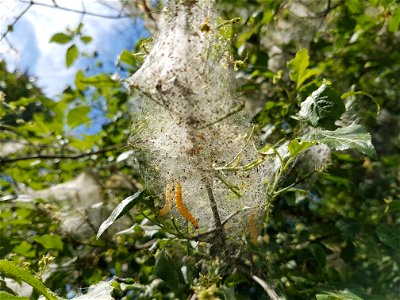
{"x":228,"y":218}
{"x":234,"y":111}
{"x":59,"y":156}
{"x":147,"y":94}
{"x":146,"y":245}
{"x":230,"y":186}
{"x":217,"y":220}
{"x":295,"y":183}
{"x":55,"y":5}
{"x":267,"y":288}
{"x":148,"y":11}
{"x":10,"y":27}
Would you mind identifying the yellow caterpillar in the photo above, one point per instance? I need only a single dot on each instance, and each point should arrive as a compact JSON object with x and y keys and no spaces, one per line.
{"x":168,"y":204}
{"x":181,"y":207}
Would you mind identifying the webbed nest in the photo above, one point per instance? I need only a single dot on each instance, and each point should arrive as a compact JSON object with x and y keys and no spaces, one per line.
{"x":191,"y":122}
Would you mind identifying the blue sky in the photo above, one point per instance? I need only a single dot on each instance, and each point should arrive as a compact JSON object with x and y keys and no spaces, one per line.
{"x":46,"y":61}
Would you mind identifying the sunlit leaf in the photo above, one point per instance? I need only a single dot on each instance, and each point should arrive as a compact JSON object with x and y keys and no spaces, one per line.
{"x":78,"y":116}
{"x":78,"y":28}
{"x":71,"y":56}
{"x":297,"y":146}
{"x":24,"y":249}
{"x":7,"y":296}
{"x":9,"y":269}
{"x":394,"y":21}
{"x":86,"y":39}
{"x":121,"y":210}
{"x":127,"y":58}
{"x":353,"y":136}
{"x":49,"y":241}
{"x":78,"y":80}
{"x":60,"y":38}
{"x":100,"y":80}
{"x":322,"y":108}
{"x":298,"y":67}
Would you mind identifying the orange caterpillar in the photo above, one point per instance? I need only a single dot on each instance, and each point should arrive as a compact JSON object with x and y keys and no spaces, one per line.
{"x":168,"y":204}
{"x":181,"y":207}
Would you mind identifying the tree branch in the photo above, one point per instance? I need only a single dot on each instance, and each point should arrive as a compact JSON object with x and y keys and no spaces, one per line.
{"x":267,"y":288}
{"x":55,"y":5}
{"x":59,"y":156}
{"x":10,"y":27}
{"x":30,"y":3}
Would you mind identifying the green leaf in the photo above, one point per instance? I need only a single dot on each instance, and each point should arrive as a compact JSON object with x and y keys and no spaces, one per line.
{"x":86,"y":39}
{"x":297,"y":146}
{"x":24,"y":249}
{"x":39,"y":126}
{"x":9,"y":269}
{"x":121,"y":210}
{"x":298,"y":68}
{"x":100,"y":80}
{"x":49,"y":241}
{"x":349,"y":227}
{"x":394,"y":21}
{"x":79,"y":77}
{"x":78,"y":116}
{"x":229,"y":293}
{"x":61,"y":38}
{"x":78,"y":28}
{"x":338,"y":295}
{"x":168,"y":270}
{"x":7,"y":296}
{"x":351,"y":137}
{"x":322,"y":108}
{"x":127,"y":58}
{"x":318,"y":253}
{"x":72,"y":55}
{"x":389,"y":235}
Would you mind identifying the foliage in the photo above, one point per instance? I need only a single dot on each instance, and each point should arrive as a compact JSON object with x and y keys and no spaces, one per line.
{"x":331,"y":230}
{"x":8,"y":269}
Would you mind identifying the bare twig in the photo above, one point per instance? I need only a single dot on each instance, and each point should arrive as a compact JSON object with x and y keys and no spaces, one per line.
{"x":148,"y":11}
{"x":31,"y":3}
{"x":267,"y":288}
{"x":234,"y":111}
{"x":55,"y":5}
{"x":217,"y":220}
{"x":10,"y":27}
{"x":298,"y":181}
{"x":59,"y":156}
{"x":228,"y":218}
{"x":146,"y":245}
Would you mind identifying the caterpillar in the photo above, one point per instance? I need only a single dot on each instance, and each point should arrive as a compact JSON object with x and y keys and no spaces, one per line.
{"x":251,"y":228}
{"x":181,"y":207}
{"x":168,"y":204}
